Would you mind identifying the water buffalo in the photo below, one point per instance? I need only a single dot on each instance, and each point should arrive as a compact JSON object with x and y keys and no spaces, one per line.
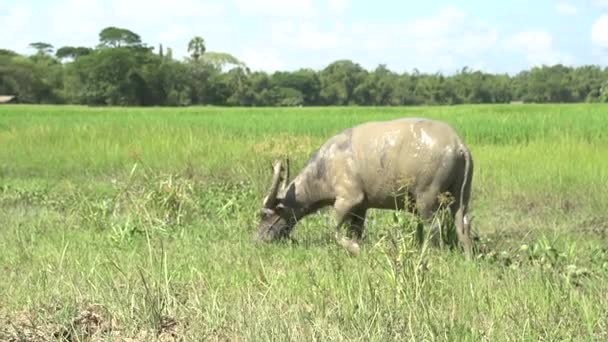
{"x":405,"y":163}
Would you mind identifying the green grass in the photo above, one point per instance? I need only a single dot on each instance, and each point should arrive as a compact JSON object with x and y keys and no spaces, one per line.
{"x":123,"y":223}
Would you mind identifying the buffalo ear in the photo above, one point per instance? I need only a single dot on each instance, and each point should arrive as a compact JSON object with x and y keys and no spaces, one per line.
{"x":289,"y":197}
{"x":291,"y":193}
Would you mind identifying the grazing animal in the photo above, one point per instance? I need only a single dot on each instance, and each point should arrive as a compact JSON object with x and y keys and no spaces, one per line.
{"x":403,"y":164}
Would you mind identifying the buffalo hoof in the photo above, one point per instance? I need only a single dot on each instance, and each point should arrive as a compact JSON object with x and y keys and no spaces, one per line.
{"x":351,"y":246}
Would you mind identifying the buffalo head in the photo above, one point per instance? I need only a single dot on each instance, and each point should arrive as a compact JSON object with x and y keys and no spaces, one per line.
{"x":276,"y":220}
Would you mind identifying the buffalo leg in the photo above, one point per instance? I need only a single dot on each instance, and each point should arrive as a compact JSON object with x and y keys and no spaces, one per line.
{"x":343,"y":207}
{"x":357,"y":222}
{"x":426,"y":209}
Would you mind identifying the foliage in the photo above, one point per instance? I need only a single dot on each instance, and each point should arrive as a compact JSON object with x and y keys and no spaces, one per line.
{"x":36,"y":79}
{"x":113,"y":37}
{"x":196,"y":47}
{"x":42,"y":48}
{"x":143,"y":77}
{"x":339,"y":81}
{"x":220,"y":60}
{"x":109,"y":76}
{"x":72,"y":52}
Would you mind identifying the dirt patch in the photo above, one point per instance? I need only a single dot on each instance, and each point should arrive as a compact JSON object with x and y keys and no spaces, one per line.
{"x":597,"y":226}
{"x":94,"y":323}
{"x":543,"y":203}
{"x":526,"y":205}
{"x":24,"y":326}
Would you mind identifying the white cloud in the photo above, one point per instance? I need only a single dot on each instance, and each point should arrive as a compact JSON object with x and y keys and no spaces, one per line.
{"x":443,"y":42}
{"x":15,"y":23}
{"x":444,"y":39}
{"x":76,"y":22}
{"x":601,"y":4}
{"x":599,"y":32}
{"x":175,"y":33}
{"x":566,"y":9}
{"x":450,"y":32}
{"x":279,"y":34}
{"x":156,"y":11}
{"x":537,"y":47}
{"x":438,"y":25}
{"x":74,"y":17}
{"x":276,"y":8}
{"x":306,"y":36}
{"x":338,"y":6}
{"x":266,"y":59}
{"x":77,"y":17}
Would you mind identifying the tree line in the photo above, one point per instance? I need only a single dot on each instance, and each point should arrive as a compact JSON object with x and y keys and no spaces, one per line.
{"x":122,"y":70}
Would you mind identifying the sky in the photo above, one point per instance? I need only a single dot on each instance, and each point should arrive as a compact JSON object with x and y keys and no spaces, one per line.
{"x":431,"y":36}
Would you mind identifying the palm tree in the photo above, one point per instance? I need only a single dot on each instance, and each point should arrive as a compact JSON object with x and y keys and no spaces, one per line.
{"x":196,"y":47}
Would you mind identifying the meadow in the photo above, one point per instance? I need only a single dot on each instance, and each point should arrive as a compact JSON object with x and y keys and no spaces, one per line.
{"x":137,"y":224}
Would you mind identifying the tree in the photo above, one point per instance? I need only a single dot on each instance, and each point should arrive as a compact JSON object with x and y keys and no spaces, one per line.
{"x":305,"y":81}
{"x":117,"y":76}
{"x":501,"y":89}
{"x":113,"y":37}
{"x":586,"y":83}
{"x":261,"y":86}
{"x":42,"y":48}
{"x":206,"y":84}
{"x":176,"y":83}
{"x":472,"y":86}
{"x":604,"y":92}
{"x":339,"y":80}
{"x":433,"y":90}
{"x":122,"y":70}
{"x":169,"y":54}
{"x":220,"y":60}
{"x":6,"y":52}
{"x":29,"y":80}
{"x":196,"y":47}
{"x":404,"y":90}
{"x":72,"y":52}
{"x":546,"y":84}
{"x":239,"y":87}
{"x":377,"y":88}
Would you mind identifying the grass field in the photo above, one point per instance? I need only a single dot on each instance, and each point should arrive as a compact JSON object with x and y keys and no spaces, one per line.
{"x":137,"y":223}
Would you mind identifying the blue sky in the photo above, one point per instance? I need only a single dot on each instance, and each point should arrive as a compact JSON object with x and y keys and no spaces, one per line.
{"x":444,"y":36}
